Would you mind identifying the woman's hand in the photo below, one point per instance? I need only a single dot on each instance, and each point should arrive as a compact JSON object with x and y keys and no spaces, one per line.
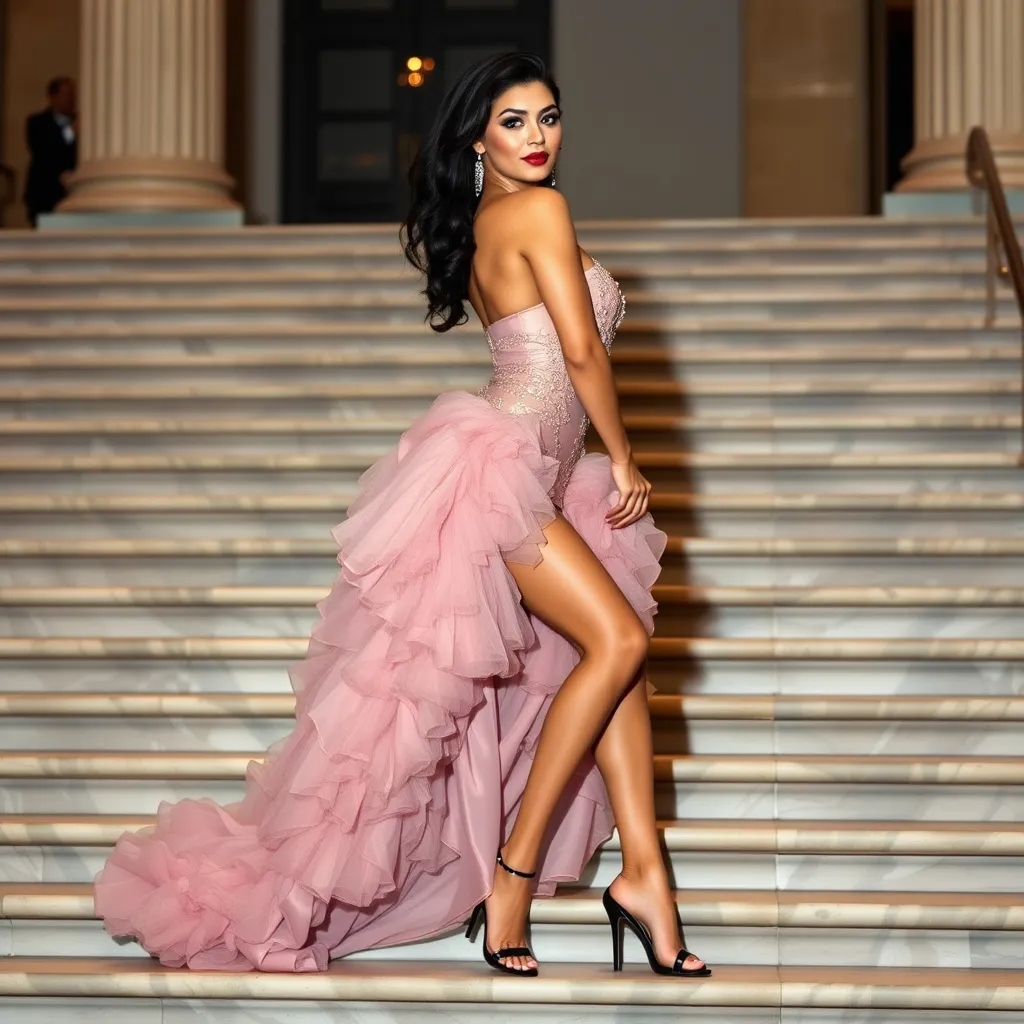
{"x":634,"y":491}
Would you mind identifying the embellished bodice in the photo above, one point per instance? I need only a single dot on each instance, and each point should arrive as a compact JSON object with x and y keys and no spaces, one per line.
{"x":530,"y":378}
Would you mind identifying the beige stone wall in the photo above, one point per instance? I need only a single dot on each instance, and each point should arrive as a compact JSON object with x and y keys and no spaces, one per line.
{"x":41,"y":41}
{"x":807,"y":107}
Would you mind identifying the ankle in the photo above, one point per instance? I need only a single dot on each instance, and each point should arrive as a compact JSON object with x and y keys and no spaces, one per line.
{"x":644,"y":872}
{"x":515,"y":863}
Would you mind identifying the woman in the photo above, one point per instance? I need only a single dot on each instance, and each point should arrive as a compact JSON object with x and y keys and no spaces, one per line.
{"x":478,"y":667}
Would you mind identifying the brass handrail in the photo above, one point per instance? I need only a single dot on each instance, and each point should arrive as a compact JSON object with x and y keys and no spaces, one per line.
{"x":1002,"y":249}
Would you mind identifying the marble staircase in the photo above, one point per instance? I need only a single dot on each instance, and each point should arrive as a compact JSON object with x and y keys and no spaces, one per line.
{"x":834,"y":436}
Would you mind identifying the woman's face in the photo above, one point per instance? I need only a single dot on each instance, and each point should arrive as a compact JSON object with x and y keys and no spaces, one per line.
{"x":524,"y":122}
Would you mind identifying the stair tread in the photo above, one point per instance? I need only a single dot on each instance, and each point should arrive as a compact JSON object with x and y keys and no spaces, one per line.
{"x":846,"y":383}
{"x":701,"y":707}
{"x":302,"y":596}
{"x":708,"y":769}
{"x":240,"y":327}
{"x":723,"y":907}
{"x":278,"y":648}
{"x":671,"y":828}
{"x":324,"y":461}
{"x":661,"y":499}
{"x":193,"y":547}
{"x":380,"y":424}
{"x":559,"y":983}
{"x":397,"y":272}
{"x":629,"y":354}
{"x":574,"y":896}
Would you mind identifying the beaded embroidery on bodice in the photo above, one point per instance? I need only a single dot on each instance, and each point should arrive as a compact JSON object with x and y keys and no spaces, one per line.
{"x":530,"y":378}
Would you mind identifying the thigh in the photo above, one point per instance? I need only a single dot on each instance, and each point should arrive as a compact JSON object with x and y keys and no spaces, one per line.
{"x":572,"y":592}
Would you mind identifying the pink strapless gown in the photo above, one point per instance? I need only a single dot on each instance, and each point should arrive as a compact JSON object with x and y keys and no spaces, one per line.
{"x":419,"y":702}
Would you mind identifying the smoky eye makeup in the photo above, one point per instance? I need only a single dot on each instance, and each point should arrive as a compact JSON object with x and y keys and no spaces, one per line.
{"x":555,"y":114}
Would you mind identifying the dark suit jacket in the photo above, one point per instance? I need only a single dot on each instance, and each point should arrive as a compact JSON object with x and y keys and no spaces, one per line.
{"x":52,"y":155}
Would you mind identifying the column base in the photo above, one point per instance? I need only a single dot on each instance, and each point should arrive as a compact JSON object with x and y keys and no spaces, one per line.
{"x":940,"y":165}
{"x":117,"y":219}
{"x":148,"y":185}
{"x":951,"y":203}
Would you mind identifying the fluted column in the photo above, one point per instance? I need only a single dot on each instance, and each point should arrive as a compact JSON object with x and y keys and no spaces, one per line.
{"x":151,"y":133}
{"x":969,"y":69}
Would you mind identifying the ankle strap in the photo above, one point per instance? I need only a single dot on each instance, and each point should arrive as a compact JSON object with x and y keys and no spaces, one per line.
{"x":512,"y":871}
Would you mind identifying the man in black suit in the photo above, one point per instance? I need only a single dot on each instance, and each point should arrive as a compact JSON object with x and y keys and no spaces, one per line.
{"x":53,"y":145}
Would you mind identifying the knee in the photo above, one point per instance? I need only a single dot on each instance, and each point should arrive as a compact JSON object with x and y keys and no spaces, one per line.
{"x":625,"y":645}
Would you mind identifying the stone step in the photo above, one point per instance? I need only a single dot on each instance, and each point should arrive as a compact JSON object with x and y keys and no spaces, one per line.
{"x":378,"y":426}
{"x":409,"y":993}
{"x":980,"y":432}
{"x":795,"y":648}
{"x":27,"y":901}
{"x":469,"y":352}
{"x":379,"y":305}
{"x":701,"y":869}
{"x":701,"y":561}
{"x":911,"y":838}
{"x":644,"y":233}
{"x":698,"y":621}
{"x":674,"y":708}
{"x":228,"y":462}
{"x":719,"y":801}
{"x":203,"y":599}
{"x":843,"y":679}
{"x":663,"y":501}
{"x":712,"y":725}
{"x":243,"y":336}
{"x":807,"y":524}
{"x":690,"y":561}
{"x":732,"y":851}
{"x":726,"y":926}
{"x":763,"y":385}
{"x":668,"y":768}
{"x":713,"y":473}
{"x":711,"y":266}
{"x":935,"y":274}
{"x":725,"y":547}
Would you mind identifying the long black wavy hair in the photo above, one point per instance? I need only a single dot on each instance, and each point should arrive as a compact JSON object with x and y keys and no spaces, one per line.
{"x":438,"y":232}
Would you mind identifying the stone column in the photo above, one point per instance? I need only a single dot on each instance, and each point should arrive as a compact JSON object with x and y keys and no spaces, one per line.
{"x":969,"y":70}
{"x":152,"y":108}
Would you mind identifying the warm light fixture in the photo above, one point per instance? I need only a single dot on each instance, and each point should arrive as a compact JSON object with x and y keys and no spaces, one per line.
{"x":416,"y":73}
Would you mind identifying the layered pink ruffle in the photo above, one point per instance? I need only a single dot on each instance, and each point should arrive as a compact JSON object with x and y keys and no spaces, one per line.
{"x":419,"y":704}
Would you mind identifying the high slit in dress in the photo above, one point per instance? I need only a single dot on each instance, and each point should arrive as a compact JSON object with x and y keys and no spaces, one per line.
{"x":419,"y":701}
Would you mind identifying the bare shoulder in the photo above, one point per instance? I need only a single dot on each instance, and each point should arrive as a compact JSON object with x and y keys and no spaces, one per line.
{"x":541,"y":219}
{"x":542,"y":209}
{"x":534,"y":206}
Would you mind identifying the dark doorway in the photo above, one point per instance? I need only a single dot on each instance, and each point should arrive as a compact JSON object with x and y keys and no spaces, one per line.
{"x":892,"y":93}
{"x":354,"y":108}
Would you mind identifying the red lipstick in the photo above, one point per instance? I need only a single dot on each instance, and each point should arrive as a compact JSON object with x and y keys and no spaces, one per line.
{"x":537,"y":159}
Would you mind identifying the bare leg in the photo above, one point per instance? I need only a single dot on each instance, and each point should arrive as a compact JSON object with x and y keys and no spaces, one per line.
{"x":625,"y":756}
{"x":572,"y":592}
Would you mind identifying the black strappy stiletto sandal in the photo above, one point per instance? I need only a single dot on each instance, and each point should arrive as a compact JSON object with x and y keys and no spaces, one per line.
{"x":618,"y":917}
{"x":494,"y":959}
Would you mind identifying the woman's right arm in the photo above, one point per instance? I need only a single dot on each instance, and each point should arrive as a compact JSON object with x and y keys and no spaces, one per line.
{"x":549,"y":245}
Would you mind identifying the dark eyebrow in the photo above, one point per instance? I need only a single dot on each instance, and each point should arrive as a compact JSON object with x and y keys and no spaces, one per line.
{"x":512,"y":110}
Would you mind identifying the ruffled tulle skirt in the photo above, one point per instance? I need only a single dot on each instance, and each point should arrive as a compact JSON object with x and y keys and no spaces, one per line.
{"x":419,"y":704}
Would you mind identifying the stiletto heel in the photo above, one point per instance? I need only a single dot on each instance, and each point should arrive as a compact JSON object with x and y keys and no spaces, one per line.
{"x":494,"y":959}
{"x":474,"y":921}
{"x":619,"y":917}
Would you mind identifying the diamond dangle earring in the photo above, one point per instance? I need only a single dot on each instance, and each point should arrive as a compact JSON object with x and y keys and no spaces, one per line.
{"x":552,"y":179}
{"x":478,"y":174}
